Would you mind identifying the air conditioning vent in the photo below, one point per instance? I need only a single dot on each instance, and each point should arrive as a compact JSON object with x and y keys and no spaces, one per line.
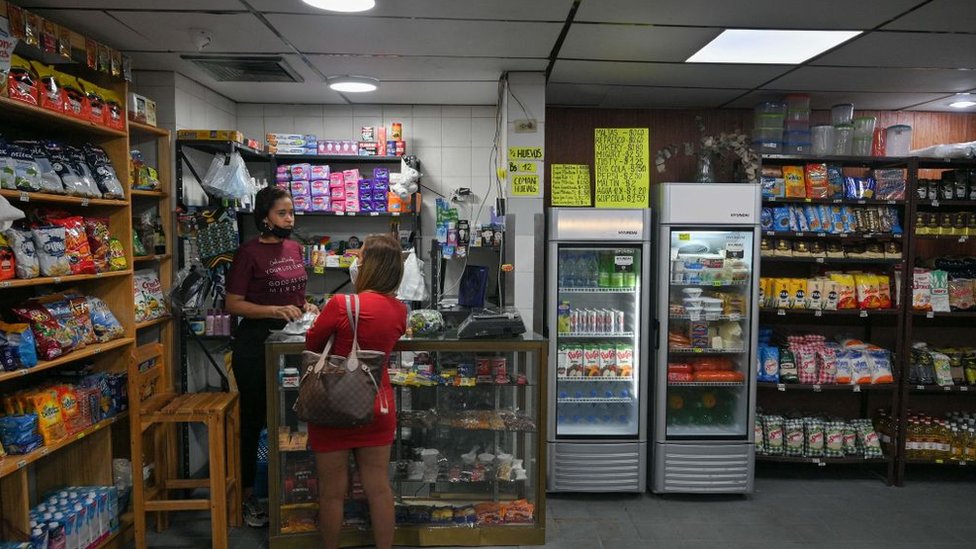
{"x":245,"y":69}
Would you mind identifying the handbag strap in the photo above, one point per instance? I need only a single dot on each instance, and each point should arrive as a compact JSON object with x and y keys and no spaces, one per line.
{"x":353,"y":316}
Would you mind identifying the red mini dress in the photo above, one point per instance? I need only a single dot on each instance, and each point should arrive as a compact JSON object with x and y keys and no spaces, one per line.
{"x":382,"y":321}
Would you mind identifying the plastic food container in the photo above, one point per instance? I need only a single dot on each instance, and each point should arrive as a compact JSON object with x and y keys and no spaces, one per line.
{"x":842,"y":113}
{"x":797,"y":126}
{"x":844,"y":139}
{"x":766,"y":121}
{"x":771,"y":107}
{"x":798,"y":102}
{"x":861,"y":146}
{"x":822,"y":140}
{"x":898,"y":140}
{"x":692,"y":292}
{"x":797,"y":148}
{"x":864,"y":126}
{"x":798,"y":116}
{"x":769,"y":140}
{"x":793,"y":138}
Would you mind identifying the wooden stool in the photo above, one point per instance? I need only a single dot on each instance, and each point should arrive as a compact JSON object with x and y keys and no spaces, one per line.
{"x":154,"y":410}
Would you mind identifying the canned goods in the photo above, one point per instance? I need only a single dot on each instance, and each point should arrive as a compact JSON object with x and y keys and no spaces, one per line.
{"x":618,"y":322}
{"x":591,"y":321}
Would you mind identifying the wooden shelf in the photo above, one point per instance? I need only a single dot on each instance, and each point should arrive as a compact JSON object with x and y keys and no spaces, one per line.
{"x":18,"y":111}
{"x":89,"y":351}
{"x":40,"y":281}
{"x":153,"y":322}
{"x":848,"y":260}
{"x":834,"y":387}
{"x":12,"y":463}
{"x":148,"y":194}
{"x":19,"y":196}
{"x":144,"y":258}
{"x":951,"y":314}
{"x":145,"y":129}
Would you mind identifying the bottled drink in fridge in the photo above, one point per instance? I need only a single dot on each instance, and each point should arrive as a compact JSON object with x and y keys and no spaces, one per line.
{"x":589,"y":270}
{"x":606,"y":269}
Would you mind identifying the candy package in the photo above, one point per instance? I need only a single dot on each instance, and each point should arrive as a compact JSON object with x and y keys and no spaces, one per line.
{"x":76,"y":244}
{"x":106,"y":326}
{"x":99,"y":242}
{"x":859,"y":188}
{"x":148,"y":294}
{"x":49,"y":243}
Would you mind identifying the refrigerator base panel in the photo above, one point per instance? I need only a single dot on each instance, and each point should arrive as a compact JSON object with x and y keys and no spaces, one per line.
{"x":596,"y":467}
{"x":703,"y":468}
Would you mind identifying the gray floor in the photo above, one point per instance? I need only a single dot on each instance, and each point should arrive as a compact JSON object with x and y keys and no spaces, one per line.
{"x":791,"y":508}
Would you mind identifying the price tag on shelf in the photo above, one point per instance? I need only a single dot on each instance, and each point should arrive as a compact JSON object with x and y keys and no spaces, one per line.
{"x":395,"y":214}
{"x":862,"y":201}
{"x":864,"y":313}
{"x":930,"y":314}
{"x":963,"y":389}
{"x":891,"y":202}
{"x":845,"y":235}
{"x":735,"y":317}
{"x":21,"y":464}
{"x":24,"y":197}
{"x":781,"y":387}
{"x":81,"y":435}
{"x":699,"y":350}
{"x":770,"y":233}
{"x":963,"y":463}
{"x":838,"y":201}
{"x":857,"y":388}
{"x":98,"y":275}
{"x":817,"y":388}
{"x":780,"y":312}
{"x":939,"y":461}
{"x":947,"y":388}
{"x":935,"y":203}
{"x":96,"y":350}
{"x":374,"y":214}
{"x":84,"y":201}
{"x":808,"y":200}
{"x":821,"y":235}
{"x":717,"y":283}
{"x":694,"y":316}
{"x":963,"y":239}
{"x":920,"y":387}
{"x":818,"y":312}
{"x":339,"y":213}
{"x":56,"y":280}
{"x":799,"y":233}
{"x":299,"y":212}
{"x":5,"y":284}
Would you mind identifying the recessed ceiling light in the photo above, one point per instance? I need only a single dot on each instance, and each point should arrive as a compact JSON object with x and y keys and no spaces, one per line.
{"x":963,"y":100}
{"x":777,"y":47}
{"x":353,"y":84}
{"x":342,"y":5}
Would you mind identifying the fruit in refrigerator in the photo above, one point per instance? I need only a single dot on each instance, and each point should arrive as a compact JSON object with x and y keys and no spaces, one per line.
{"x":676,"y":402}
{"x":709,"y":400}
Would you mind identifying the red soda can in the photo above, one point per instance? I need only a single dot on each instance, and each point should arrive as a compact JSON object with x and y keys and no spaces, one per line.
{"x":574,"y":321}
{"x":619,"y":321}
{"x":591,"y":320}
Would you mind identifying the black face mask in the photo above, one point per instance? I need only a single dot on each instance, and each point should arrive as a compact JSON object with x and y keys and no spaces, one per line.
{"x":277,"y":231}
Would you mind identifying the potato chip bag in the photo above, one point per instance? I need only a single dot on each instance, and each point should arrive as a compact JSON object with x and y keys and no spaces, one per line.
{"x":51,"y":338}
{"x":817,"y":183}
{"x":49,"y":243}
{"x":116,"y":258}
{"x":846,"y":298}
{"x":884,"y":291}
{"x":106,"y":326}
{"x":76,"y":244}
{"x":794,"y":182}
{"x":70,"y":411}
{"x":99,"y":242}
{"x":867,"y":291}
{"x":60,"y":309}
{"x":50,"y":421}
{"x":26,"y":258}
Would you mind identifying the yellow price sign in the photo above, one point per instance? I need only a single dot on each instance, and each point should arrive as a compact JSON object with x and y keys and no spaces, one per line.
{"x":525,"y":185}
{"x":521,"y":167}
{"x":684,"y":236}
{"x":525,"y":153}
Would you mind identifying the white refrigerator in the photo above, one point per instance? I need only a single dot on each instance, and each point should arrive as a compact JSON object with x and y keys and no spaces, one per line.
{"x":598,"y":285}
{"x":707,"y":241}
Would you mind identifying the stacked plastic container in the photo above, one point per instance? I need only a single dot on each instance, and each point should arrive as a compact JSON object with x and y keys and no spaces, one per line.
{"x":863,"y":135}
{"x":796,"y":134}
{"x":767,"y":133}
{"x":841,"y":117}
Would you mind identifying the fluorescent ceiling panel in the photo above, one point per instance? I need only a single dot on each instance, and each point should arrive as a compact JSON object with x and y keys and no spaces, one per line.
{"x":209,"y":5}
{"x":236,"y":33}
{"x":777,"y":47}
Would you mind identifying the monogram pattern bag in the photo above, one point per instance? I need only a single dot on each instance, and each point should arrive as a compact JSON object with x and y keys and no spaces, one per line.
{"x":338,"y":391}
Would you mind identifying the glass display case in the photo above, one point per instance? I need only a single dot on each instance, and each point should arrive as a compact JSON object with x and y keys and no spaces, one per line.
{"x":466,"y":460}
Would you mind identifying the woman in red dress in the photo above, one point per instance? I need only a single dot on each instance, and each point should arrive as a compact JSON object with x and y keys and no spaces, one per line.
{"x":382,"y":321}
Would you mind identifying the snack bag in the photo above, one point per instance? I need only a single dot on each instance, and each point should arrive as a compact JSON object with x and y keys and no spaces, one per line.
{"x":880,"y":364}
{"x":148,"y":293}
{"x":806,"y":363}
{"x":27,"y":174}
{"x":867,"y":291}
{"x":922,"y":290}
{"x":49,"y":93}
{"x":52,"y":339}
{"x":817,"y":183}
{"x":884,"y":291}
{"x":846,"y":298}
{"x":79,"y":309}
{"x":20,"y":339}
{"x":105,"y":177}
{"x":943,"y":369}
{"x":116,"y":258}
{"x":70,"y":409}
{"x":781,"y":219}
{"x":868,"y":438}
{"x":49,"y":243}
{"x":812,"y":215}
{"x":76,"y":244}
{"x":8,"y":261}
{"x":104,"y":323}
{"x":50,"y":422}
{"x":138,"y":249}
{"x":793,"y":437}
{"x":773,"y":426}
{"x":826,"y":365}
{"x":844,"y":372}
{"x":793,"y":182}
{"x":939,"y":291}
{"x":788,"y":372}
{"x":75,"y":100}
{"x":22,"y":80}
{"x":835,"y":178}
{"x":860,"y":368}
{"x":814,"y":431}
{"x":57,"y":305}
{"x":834,"y":438}
{"x":99,"y":242}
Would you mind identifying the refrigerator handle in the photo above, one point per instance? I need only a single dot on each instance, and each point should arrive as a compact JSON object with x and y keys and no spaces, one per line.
{"x":657,"y":334}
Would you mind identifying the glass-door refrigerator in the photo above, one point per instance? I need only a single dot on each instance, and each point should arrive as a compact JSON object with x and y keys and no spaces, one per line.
{"x":707,"y":238}
{"x":598,"y":283}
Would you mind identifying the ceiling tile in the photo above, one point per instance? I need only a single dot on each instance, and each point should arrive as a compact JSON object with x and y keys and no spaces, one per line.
{"x":664,"y":74}
{"x":232,"y":33}
{"x":939,"y":15}
{"x":942,"y":105}
{"x":779,"y":14}
{"x":423,"y":68}
{"x":431,"y":93}
{"x":508,"y":10}
{"x":634,"y":43}
{"x":877,"y":80}
{"x":348,"y":34}
{"x":861,"y":100}
{"x":906,"y":49}
{"x":229,"y":5}
{"x":636,"y":96}
{"x":100,"y":26}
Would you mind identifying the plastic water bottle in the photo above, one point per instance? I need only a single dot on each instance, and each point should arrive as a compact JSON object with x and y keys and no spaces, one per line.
{"x":569,"y":271}
{"x":590,"y":270}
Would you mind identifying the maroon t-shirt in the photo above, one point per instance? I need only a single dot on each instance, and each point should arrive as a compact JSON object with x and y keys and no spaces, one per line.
{"x":269,"y":274}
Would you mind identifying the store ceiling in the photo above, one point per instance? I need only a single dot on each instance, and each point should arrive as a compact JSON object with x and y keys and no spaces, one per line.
{"x":914,"y":54}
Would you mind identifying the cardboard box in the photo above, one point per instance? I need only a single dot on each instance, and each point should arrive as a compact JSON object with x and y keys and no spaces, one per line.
{"x":137,"y":108}
{"x":150,"y":112}
{"x":211,"y":135}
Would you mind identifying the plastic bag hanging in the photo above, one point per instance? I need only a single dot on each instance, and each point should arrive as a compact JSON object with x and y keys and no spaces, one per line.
{"x":8,"y":214}
{"x":412,"y":285}
{"x":227,"y":177}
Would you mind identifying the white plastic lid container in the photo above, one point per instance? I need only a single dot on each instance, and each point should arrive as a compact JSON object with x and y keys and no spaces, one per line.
{"x":822,"y":140}
{"x":843,"y":139}
{"x":842,"y":113}
{"x":898,"y":140}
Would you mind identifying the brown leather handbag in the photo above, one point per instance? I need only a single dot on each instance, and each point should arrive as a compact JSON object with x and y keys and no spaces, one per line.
{"x":340,"y":391}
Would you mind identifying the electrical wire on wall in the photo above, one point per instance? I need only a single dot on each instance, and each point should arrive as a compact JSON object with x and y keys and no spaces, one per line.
{"x":494,"y":169}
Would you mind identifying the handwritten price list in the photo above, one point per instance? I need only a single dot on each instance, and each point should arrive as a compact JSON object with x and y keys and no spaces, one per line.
{"x":570,"y":185}
{"x":622,"y":167}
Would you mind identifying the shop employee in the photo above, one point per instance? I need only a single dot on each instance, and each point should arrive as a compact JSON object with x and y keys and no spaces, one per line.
{"x":266,"y":287}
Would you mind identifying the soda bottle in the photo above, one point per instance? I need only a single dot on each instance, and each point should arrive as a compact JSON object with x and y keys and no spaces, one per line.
{"x":590,"y":270}
{"x":567,"y":270}
{"x":606,"y":269}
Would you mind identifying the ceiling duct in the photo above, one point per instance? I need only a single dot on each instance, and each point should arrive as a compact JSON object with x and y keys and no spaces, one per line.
{"x":245,"y":69}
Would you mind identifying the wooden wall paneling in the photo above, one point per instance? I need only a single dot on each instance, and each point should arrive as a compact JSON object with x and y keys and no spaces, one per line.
{"x":14,"y":517}
{"x":569,"y":133}
{"x":73,"y":465}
